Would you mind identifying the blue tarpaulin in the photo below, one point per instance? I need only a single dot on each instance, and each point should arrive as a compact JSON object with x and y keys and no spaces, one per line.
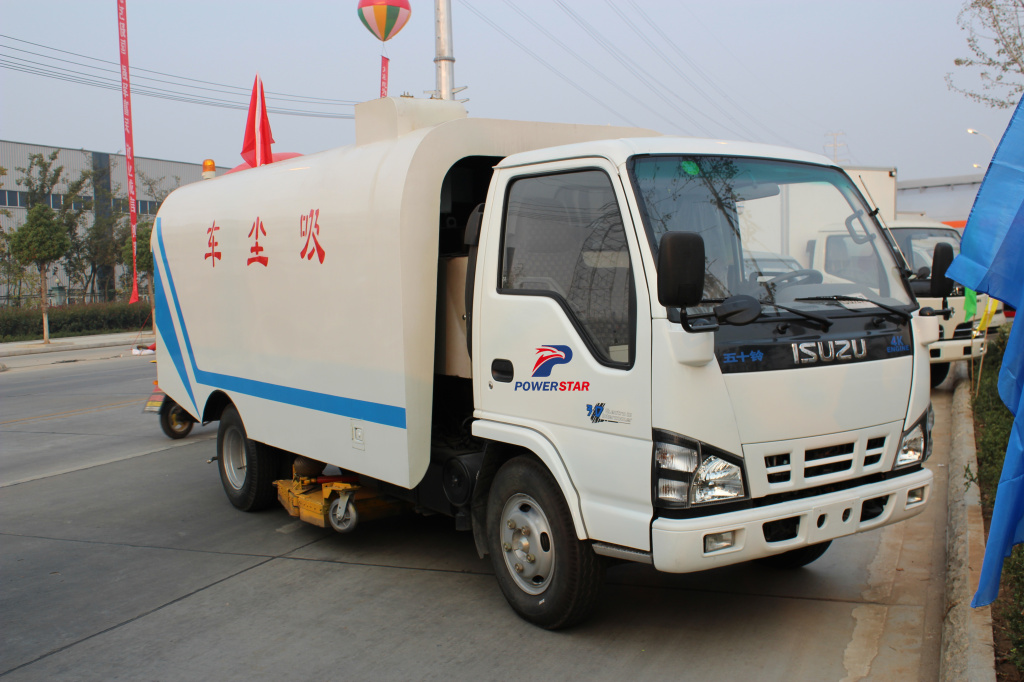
{"x":991,"y":260}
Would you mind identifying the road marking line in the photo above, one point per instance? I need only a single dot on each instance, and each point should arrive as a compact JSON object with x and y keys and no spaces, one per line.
{"x":72,"y":413}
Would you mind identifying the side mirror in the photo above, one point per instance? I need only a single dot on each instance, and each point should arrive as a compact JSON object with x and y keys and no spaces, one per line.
{"x":680,"y":269}
{"x":942,"y":286}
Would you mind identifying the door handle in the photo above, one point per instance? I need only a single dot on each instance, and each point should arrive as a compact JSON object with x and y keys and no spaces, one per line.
{"x":502,"y":370}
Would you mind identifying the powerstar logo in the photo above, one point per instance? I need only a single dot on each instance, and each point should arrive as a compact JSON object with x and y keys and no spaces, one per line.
{"x":547,"y":357}
{"x":896,"y":345}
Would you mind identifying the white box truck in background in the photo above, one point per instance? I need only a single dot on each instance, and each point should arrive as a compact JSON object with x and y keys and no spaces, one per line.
{"x":959,"y":336}
{"x":568,"y":338}
{"x":878,"y":184}
{"x":916,"y":237}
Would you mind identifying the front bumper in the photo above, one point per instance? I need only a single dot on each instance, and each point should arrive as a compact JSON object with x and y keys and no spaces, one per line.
{"x":951,"y":350}
{"x":678,"y":544}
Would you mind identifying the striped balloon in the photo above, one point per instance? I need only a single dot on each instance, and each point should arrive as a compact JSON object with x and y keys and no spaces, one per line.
{"x":384,"y":18}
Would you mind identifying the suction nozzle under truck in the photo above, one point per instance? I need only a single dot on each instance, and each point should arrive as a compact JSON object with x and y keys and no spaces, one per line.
{"x":556,"y":334}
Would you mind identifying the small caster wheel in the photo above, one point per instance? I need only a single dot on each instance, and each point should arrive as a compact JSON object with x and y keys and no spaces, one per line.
{"x":343,"y":517}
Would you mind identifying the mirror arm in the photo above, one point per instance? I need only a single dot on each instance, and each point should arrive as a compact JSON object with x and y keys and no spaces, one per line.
{"x":946,"y":313}
{"x":700,"y":325}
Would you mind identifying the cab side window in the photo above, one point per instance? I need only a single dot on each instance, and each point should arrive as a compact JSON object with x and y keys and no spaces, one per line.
{"x":563,"y":238}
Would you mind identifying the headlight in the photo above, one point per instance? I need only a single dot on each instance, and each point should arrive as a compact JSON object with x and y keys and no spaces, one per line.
{"x":912,"y":447}
{"x":688,"y":473}
{"x":676,"y":457}
{"x":717,"y":481}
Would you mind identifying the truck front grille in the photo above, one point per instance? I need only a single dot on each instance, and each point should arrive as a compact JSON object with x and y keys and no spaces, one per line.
{"x":963,"y":330}
{"x":793,"y":465}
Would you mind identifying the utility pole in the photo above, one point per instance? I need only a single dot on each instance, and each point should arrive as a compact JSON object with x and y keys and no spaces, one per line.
{"x":444,"y":58}
{"x":836,"y":144}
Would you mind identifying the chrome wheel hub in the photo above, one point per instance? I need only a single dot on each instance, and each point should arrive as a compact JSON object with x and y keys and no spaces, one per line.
{"x":234,"y":458}
{"x":527,"y":544}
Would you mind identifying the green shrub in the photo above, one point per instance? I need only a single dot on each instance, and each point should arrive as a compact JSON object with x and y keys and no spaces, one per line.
{"x":992,"y":428}
{"x":25,"y":324}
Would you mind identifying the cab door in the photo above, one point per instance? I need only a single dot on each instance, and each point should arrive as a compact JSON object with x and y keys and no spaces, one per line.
{"x":564,"y":326}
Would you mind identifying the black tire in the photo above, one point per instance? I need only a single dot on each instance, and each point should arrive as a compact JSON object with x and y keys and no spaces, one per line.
{"x":796,"y":558}
{"x":174,"y":420}
{"x":560,"y":576}
{"x":247,"y":468}
{"x":939,"y":373}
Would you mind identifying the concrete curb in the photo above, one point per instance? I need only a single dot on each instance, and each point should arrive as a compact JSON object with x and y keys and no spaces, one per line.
{"x":60,"y":345}
{"x":56,"y":347}
{"x":967,"y":651}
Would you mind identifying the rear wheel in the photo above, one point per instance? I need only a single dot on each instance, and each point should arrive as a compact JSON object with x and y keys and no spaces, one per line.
{"x":548,"y":576}
{"x":939,"y":373}
{"x":247,"y":468}
{"x":796,"y":558}
{"x":174,"y":420}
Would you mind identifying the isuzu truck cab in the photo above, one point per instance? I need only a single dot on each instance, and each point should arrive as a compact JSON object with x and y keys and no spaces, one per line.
{"x":959,"y":334}
{"x":558,"y":335}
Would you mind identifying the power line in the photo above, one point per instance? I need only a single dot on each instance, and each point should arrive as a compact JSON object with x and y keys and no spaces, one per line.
{"x":638,"y":72}
{"x":137,"y":78}
{"x":679,"y":72}
{"x":593,"y":69}
{"x":543,"y":63}
{"x":241,"y":89}
{"x":740,"y":62}
{"x":71,"y":76}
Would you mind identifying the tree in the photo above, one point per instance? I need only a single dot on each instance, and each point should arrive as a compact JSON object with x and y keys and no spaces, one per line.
{"x":40,"y":241}
{"x":996,"y":39}
{"x":101,"y":249}
{"x":41,"y":180}
{"x":11,"y":270}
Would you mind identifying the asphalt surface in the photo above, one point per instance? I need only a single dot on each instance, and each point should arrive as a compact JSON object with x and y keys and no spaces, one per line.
{"x":122,"y":559}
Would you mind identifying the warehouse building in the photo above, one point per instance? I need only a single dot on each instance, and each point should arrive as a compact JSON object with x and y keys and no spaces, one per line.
{"x":947,"y":199}
{"x":155,"y":178}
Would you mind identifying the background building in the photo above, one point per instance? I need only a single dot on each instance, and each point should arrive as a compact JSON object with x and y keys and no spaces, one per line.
{"x":155,"y":179}
{"x":948,"y":200}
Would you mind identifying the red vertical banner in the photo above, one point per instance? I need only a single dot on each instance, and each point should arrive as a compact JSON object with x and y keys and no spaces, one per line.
{"x":129,"y":151}
{"x":383,"y":74}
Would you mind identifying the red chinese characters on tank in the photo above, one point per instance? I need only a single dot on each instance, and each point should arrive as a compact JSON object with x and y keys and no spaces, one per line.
{"x":256,"y":249}
{"x":213,"y":254}
{"x":309,"y":227}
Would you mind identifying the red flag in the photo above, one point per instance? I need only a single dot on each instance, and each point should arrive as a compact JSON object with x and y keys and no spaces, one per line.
{"x":383,"y":76}
{"x":256,"y":145}
{"x":129,"y":143}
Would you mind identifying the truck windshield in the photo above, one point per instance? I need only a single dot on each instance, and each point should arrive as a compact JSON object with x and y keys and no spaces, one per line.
{"x":783,"y":232}
{"x":918,"y":243}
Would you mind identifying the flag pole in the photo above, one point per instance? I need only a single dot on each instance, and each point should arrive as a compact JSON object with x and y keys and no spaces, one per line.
{"x":981,"y":364}
{"x":129,"y":144}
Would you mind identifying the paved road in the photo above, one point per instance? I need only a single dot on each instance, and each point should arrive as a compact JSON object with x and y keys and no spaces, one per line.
{"x":122,"y":559}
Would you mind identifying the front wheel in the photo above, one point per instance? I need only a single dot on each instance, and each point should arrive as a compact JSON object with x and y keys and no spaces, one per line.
{"x":174,"y":420}
{"x":548,"y":576}
{"x":247,"y":468}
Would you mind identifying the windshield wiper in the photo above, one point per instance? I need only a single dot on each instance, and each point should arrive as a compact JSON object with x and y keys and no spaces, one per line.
{"x":896,"y":311}
{"x":823,"y":321}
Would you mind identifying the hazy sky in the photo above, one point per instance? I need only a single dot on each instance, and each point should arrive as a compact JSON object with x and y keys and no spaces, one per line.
{"x":781,"y":71}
